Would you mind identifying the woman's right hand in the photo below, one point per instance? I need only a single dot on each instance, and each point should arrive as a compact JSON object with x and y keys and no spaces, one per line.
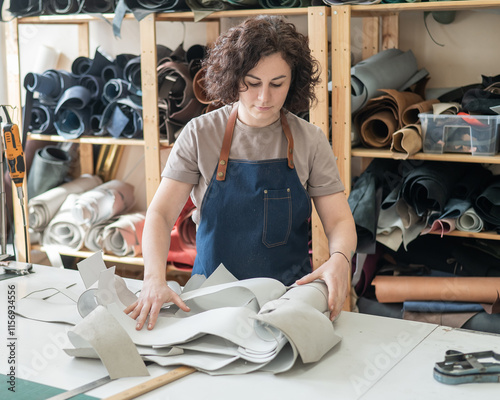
{"x":154,"y":293}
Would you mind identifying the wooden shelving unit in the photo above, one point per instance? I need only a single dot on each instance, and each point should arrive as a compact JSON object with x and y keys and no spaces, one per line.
{"x":317,"y":18}
{"x":380,"y":26}
{"x":381,"y":31}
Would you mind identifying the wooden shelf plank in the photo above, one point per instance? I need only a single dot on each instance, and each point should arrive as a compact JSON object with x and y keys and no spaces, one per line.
{"x":69,"y":19}
{"x":186,"y":16}
{"x":451,"y":157}
{"x":475,"y":235}
{"x":88,"y":253}
{"x":95,"y":140}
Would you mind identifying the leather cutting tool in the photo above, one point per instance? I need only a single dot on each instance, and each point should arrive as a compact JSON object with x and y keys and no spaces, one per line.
{"x":17,"y":167}
{"x":458,"y":367}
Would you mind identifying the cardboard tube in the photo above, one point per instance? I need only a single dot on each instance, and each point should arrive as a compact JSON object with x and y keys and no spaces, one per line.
{"x":396,"y":289}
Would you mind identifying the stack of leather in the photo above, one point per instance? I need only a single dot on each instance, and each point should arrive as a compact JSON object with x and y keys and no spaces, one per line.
{"x":394,"y":205}
{"x":102,"y":96}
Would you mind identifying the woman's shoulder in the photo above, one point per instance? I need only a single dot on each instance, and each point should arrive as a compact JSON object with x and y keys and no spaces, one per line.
{"x":303,"y":130}
{"x":214,"y":118}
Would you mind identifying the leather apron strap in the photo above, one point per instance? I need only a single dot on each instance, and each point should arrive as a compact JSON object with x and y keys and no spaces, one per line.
{"x":228,"y":139}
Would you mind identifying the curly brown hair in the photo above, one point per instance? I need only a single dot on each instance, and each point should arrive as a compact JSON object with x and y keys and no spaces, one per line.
{"x":240,"y":49}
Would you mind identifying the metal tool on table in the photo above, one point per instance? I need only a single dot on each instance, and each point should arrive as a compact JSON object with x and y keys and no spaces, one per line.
{"x":17,"y":167}
{"x":458,"y":367}
{"x":132,"y":392}
{"x":15,"y":267}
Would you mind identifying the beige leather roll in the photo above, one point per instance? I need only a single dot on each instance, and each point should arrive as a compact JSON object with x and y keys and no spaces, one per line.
{"x":397,"y":289}
{"x":406,"y":141}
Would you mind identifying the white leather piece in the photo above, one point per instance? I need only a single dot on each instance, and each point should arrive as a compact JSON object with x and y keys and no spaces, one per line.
{"x":102,"y":332}
{"x":103,"y":202}
{"x":124,"y":236}
{"x":43,"y":207}
{"x":63,"y":230}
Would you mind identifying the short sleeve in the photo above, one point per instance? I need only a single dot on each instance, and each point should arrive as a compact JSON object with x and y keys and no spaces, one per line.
{"x":324,"y":178}
{"x":182,"y":163}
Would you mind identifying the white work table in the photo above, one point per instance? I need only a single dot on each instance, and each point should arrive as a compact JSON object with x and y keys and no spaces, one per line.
{"x":378,"y":358}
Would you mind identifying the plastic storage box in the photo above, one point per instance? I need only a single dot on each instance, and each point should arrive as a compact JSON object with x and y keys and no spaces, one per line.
{"x":474,"y":134}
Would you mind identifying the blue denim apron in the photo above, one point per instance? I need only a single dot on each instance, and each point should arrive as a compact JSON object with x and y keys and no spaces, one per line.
{"x":254,"y":217}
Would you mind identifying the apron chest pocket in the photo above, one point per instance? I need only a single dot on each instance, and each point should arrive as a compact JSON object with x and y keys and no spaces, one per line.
{"x":277,"y":217}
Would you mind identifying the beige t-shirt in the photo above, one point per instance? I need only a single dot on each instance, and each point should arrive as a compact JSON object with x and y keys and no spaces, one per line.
{"x":196,"y":151}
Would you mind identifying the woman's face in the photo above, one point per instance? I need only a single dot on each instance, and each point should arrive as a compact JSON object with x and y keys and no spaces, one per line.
{"x":268,"y":85}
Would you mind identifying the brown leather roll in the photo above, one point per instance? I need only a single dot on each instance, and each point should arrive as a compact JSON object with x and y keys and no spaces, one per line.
{"x":382,"y":116}
{"x":397,"y":289}
{"x":199,"y":87}
{"x":410,"y":114}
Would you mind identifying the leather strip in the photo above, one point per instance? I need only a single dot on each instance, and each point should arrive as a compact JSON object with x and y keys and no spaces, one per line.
{"x":289,"y":138}
{"x":226,"y":144}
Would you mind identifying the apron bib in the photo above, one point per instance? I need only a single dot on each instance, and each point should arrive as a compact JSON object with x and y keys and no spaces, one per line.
{"x":254,"y":217}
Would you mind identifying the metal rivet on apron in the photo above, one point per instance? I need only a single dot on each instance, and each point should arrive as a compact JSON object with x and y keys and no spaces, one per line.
{"x":291,"y":150}
{"x":288,"y":190}
{"x":265,"y":191}
{"x":220,"y":174}
{"x":222,"y":162}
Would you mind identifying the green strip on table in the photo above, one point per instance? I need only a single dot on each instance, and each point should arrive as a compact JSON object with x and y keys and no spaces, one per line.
{"x":28,"y":390}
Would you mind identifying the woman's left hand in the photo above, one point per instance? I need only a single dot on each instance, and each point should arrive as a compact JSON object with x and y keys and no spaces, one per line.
{"x":335,"y":273}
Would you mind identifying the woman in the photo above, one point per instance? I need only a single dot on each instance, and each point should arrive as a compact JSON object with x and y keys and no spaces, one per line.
{"x":251,"y":168}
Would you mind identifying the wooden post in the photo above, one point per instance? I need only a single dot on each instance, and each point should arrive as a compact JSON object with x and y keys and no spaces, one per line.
{"x":86,"y":151}
{"x":149,"y":79}
{"x":390,"y":31}
{"x":319,"y":115}
{"x":341,"y":91}
{"x":341,"y":98}
{"x":22,"y":237}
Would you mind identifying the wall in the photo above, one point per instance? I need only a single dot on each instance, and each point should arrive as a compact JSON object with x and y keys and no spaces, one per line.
{"x":469,"y":46}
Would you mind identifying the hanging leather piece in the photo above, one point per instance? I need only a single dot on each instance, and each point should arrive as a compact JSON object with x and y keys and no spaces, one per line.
{"x":49,"y":169}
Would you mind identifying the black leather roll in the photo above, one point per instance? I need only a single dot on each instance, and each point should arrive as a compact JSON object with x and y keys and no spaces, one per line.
{"x":122,"y":118}
{"x":23,"y":8}
{"x":42,"y":119}
{"x":72,"y":116}
{"x":284,"y":3}
{"x":175,"y":86}
{"x":50,"y":167}
{"x":50,"y":85}
{"x":90,"y":66}
{"x":429,"y":186}
{"x":76,"y":97}
{"x":63,"y":6}
{"x":99,"y":6}
{"x":94,"y":84}
{"x":116,"y":89}
{"x":72,"y":123}
{"x":487,"y":205}
{"x":132,"y":72}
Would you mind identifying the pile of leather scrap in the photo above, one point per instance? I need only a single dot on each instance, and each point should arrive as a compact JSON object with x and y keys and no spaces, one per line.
{"x":234,"y":327}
